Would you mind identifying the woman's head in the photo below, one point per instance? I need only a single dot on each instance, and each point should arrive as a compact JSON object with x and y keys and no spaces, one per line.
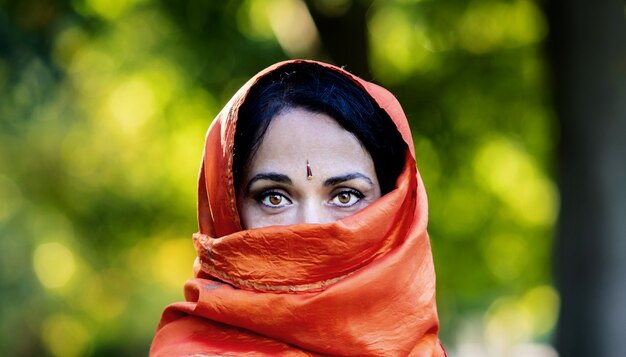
{"x":304,"y":118}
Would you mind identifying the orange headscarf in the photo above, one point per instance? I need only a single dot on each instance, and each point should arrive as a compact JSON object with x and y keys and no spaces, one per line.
{"x":361,"y":286}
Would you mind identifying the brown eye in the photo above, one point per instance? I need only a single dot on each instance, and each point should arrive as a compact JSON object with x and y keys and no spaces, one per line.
{"x":275,"y":199}
{"x":343,"y":197}
{"x":346,"y":198}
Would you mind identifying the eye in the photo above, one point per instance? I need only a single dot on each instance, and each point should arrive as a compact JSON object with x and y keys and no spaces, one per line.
{"x":346,"y":198}
{"x":274,"y":199}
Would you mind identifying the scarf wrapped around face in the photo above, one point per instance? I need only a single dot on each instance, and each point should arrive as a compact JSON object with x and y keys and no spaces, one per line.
{"x":360,"y":286}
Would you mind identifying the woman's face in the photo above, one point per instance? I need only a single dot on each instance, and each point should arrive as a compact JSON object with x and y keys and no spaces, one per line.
{"x":276,"y":190}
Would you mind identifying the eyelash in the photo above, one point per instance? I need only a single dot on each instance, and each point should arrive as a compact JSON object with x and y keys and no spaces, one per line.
{"x":356,"y":193}
{"x":264,"y":195}
{"x":260,"y":198}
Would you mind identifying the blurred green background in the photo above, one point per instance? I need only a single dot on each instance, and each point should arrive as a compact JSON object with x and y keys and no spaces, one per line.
{"x":103,"y":110}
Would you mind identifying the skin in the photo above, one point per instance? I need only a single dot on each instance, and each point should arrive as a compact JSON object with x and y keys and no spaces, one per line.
{"x":275,"y":189}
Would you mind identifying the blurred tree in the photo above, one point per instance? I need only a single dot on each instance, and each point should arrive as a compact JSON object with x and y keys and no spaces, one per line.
{"x":103,"y":109}
{"x":588,"y":52}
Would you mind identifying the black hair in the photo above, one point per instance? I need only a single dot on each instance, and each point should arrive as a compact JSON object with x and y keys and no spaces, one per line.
{"x":320,"y":90}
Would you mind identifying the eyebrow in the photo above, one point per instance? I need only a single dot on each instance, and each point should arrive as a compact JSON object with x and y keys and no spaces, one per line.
{"x":270,"y":176}
{"x":347,"y":177}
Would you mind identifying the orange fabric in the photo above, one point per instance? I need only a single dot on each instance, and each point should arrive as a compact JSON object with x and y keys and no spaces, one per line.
{"x":363,"y":286}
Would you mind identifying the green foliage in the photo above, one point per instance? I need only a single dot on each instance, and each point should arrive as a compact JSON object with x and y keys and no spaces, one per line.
{"x":103,"y":112}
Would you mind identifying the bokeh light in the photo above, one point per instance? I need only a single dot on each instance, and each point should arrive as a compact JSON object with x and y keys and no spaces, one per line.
{"x":65,"y":336}
{"x":506,"y":170}
{"x":102,"y":119}
{"x":54,"y":264}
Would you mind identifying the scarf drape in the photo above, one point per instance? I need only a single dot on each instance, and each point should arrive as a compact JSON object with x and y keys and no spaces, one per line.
{"x":361,"y":286}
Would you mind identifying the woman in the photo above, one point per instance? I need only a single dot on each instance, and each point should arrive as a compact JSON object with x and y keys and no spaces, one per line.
{"x":312,"y":220}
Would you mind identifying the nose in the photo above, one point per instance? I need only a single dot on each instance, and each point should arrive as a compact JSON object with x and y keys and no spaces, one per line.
{"x":313,"y":212}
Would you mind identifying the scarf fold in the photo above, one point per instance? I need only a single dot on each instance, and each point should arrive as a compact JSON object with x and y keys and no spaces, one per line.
{"x":361,"y":286}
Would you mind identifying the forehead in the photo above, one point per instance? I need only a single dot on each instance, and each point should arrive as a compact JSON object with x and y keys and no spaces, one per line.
{"x":298,"y":135}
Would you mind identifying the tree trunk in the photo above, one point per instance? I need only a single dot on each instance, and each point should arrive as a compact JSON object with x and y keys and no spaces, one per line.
{"x":588,"y":53}
{"x":344,"y":36}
